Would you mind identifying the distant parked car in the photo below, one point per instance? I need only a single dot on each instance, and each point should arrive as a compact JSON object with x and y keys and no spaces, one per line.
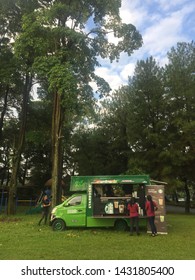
{"x":181,"y":199}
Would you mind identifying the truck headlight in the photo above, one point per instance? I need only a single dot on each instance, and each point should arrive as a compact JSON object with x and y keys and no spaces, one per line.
{"x":53,"y":210}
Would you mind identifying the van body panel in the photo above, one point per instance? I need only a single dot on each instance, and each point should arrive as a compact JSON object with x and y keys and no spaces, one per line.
{"x":104,"y":222}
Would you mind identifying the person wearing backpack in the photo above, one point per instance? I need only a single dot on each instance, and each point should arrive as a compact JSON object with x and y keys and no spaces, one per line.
{"x":151,"y":207}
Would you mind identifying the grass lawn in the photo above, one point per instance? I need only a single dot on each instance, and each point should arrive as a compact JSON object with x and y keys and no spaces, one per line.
{"x":22,"y":239}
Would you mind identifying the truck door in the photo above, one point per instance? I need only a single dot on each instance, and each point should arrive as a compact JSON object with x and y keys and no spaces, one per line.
{"x":76,"y":211}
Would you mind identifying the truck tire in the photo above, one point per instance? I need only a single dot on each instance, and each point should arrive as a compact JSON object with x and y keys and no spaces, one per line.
{"x":58,"y":225}
{"x":120,"y":225}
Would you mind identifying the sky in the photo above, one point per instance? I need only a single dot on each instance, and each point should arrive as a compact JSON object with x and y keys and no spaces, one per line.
{"x":162,"y":24}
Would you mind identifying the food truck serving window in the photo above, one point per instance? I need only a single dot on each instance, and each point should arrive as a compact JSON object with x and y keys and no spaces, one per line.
{"x":75,"y":201}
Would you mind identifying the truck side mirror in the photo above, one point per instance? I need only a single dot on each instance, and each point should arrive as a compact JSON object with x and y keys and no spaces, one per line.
{"x":66,"y":205}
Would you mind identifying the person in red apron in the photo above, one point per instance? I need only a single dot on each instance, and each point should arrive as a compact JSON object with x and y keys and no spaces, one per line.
{"x":151,"y":207}
{"x":134,"y":216}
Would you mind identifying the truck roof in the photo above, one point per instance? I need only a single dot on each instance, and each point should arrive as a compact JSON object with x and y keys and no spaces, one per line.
{"x":81,"y":183}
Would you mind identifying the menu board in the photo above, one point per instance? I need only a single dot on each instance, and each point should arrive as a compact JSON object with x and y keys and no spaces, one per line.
{"x":158,"y":195}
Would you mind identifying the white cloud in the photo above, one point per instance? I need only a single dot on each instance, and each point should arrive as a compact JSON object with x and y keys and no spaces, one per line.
{"x":160,"y":37}
{"x":111,"y":76}
{"x":133,"y":12}
{"x":168,"y":5}
{"x":34,"y":91}
{"x":127,"y":71}
{"x":162,"y":23}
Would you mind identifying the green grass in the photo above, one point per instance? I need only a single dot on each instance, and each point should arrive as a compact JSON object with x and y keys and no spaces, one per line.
{"x":22,"y":239}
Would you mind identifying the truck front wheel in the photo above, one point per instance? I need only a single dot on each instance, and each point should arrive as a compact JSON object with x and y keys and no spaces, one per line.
{"x":120,"y":225}
{"x":58,"y":225}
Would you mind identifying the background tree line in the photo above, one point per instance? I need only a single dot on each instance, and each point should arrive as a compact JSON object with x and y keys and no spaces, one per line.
{"x":146,"y":126}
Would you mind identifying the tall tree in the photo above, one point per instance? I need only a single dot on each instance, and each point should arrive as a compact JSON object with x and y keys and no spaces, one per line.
{"x":181,"y":119}
{"x":11,"y":13}
{"x":114,"y":124}
{"x":75,"y":33}
{"x":146,"y":117}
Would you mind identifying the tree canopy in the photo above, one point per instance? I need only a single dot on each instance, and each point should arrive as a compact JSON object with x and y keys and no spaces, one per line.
{"x":146,"y":126}
{"x":57,"y":44}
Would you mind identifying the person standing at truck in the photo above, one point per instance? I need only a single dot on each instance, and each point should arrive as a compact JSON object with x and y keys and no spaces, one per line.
{"x":45,"y":205}
{"x":109,"y":191}
{"x":134,"y":215}
{"x":151,"y":207}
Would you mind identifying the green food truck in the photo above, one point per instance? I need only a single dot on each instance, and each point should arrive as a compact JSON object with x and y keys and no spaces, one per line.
{"x":101,"y":201}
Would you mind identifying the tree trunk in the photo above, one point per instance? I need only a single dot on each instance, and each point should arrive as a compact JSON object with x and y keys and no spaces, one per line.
{"x":3,"y":111}
{"x":57,"y":123}
{"x":11,"y":209}
{"x":187,"y":203}
{"x":18,"y":148}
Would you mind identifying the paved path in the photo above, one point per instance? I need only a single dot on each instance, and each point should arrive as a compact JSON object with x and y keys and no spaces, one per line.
{"x":178,"y":209}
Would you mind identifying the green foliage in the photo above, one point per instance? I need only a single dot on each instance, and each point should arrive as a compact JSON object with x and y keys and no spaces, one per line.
{"x":146,"y":127}
{"x":62,"y":81}
{"x":95,"y":153}
{"x":138,"y":112}
{"x":181,"y":103}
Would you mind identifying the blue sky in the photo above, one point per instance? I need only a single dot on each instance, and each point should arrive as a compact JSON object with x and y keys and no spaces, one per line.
{"x":162,"y":24}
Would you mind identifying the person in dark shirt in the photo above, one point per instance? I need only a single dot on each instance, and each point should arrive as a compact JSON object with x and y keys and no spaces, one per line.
{"x":109,"y":191}
{"x":45,"y":209}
